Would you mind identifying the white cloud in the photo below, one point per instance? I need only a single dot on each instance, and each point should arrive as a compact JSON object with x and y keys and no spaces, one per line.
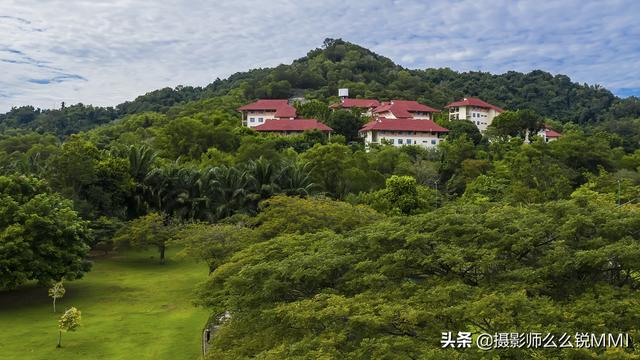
{"x":106,"y":52}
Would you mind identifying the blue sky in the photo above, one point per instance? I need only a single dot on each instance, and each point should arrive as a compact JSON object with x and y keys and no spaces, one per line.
{"x":105,"y":52}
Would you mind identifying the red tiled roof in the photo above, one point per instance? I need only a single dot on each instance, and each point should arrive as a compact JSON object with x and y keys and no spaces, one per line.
{"x":550,"y":133}
{"x":292,"y":125}
{"x":280,"y":106}
{"x":474,"y":102}
{"x":356,"y":103}
{"x":403,"y":125}
{"x":403,"y":108}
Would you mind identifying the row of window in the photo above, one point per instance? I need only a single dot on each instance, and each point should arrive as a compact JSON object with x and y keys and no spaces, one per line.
{"x":254,"y":120}
{"x":478,"y":115}
{"x":403,"y":132}
{"x":410,"y":141}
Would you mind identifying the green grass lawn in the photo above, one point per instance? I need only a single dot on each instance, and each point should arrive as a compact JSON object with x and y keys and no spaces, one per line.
{"x":132,"y":308}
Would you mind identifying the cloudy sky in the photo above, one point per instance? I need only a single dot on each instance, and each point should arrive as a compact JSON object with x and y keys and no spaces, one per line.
{"x":105,"y":52}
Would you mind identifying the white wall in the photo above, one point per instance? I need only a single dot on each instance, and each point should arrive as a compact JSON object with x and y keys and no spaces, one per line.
{"x":424,"y":139}
{"x":259,"y":117}
{"x":480,"y":117}
{"x":417,"y":116}
{"x":421,"y":116}
{"x":543,"y":135}
{"x":386,"y":114}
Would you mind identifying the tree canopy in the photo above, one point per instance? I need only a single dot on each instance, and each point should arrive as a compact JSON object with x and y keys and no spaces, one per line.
{"x":391,"y":287}
{"x":41,"y":237}
{"x":318,"y":247}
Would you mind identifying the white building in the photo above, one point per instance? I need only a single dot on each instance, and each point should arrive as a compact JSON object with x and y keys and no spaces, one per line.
{"x":401,"y":132}
{"x":292,"y":127}
{"x":549,"y":134}
{"x":475,"y":110}
{"x":257,"y":113}
{"x":404,"y":109}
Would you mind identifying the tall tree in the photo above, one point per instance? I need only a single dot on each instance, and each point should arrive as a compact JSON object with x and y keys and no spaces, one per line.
{"x":152,"y":230}
{"x":41,"y":237}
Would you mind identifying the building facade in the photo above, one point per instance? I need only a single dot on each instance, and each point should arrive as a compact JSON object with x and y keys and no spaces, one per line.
{"x":549,"y":134}
{"x":291,"y":127}
{"x":400,"y":132}
{"x":404,"y":109}
{"x":479,"y":112}
{"x":257,"y":113}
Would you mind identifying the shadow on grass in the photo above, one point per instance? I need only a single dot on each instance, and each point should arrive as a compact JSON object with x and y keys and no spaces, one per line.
{"x":35,"y":295}
{"x":24,"y":296}
{"x":104,"y":281}
{"x":141,"y":260}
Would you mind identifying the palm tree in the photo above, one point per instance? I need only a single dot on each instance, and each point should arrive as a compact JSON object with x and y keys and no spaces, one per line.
{"x":263,"y":175}
{"x":227,"y":191}
{"x":173,"y":190}
{"x":295,"y":179}
{"x":141,"y":161}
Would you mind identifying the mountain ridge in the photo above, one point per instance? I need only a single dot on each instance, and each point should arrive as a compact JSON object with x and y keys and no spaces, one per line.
{"x":339,"y":64}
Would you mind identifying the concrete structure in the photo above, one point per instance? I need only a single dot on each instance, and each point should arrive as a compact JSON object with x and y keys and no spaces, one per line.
{"x":257,"y":113}
{"x":365,"y":105}
{"x":549,"y":134}
{"x":291,"y":127}
{"x":401,"y":132}
{"x":404,"y":109}
{"x":479,"y":112}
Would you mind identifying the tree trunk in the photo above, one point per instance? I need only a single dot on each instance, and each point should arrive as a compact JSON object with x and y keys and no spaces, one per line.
{"x":162,"y":248}
{"x":54,"y":304}
{"x":59,"y":338}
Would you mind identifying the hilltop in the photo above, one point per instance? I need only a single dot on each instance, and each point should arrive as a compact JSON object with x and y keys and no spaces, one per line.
{"x":339,"y":64}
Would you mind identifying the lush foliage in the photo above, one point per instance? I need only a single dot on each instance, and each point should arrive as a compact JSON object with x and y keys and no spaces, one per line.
{"x":69,"y":321}
{"x":41,"y":237}
{"x":152,"y":230}
{"x":317,"y":248}
{"x":391,"y":287}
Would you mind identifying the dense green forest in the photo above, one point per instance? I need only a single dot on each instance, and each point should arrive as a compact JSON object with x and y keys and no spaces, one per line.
{"x":317,"y":248}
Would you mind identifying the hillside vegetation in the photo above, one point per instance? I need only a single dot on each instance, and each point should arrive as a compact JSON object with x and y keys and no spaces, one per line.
{"x":316,"y":247}
{"x":339,"y":64}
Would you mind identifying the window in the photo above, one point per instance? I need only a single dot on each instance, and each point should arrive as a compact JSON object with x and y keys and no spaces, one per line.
{"x":400,"y":141}
{"x":252,"y":119}
{"x":433,"y":142}
{"x":408,"y":141}
{"x":260,"y":119}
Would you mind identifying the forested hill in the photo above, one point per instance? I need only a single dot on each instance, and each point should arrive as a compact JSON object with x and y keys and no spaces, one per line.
{"x":342,"y":64}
